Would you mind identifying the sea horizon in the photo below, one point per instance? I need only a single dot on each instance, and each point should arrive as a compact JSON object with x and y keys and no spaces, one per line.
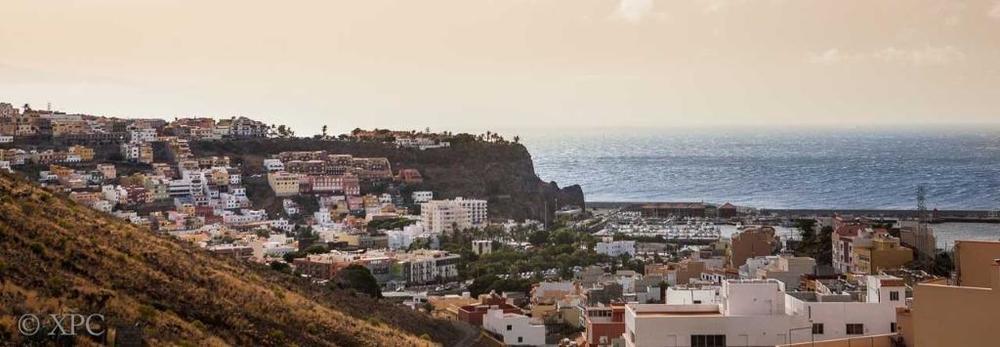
{"x":869,"y":168}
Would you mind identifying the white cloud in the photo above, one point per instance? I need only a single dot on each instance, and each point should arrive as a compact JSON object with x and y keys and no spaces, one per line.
{"x":925,"y":56}
{"x":828,"y":57}
{"x":712,"y":6}
{"x":634,"y":10}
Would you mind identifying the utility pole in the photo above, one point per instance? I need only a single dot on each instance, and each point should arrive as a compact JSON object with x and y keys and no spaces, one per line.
{"x":922,"y":204}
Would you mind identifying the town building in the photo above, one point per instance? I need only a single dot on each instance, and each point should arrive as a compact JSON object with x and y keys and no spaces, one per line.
{"x":482,"y":247}
{"x":238,"y":252}
{"x":859,"y":248}
{"x":473,"y":314}
{"x":273,"y":165}
{"x":283,"y":183}
{"x":785,"y":268}
{"x":513,"y":329}
{"x":107,"y":170}
{"x":410,"y":176}
{"x":441,"y":216}
{"x":604,"y":325}
{"x":422,"y":196}
{"x":974,"y":261}
{"x":674,"y":209}
{"x":957,"y":315}
{"x":761,"y":313}
{"x":752,"y":242}
{"x":428,"y":266}
{"x":608,"y":246}
{"x":244,"y":127}
{"x":677,"y":273}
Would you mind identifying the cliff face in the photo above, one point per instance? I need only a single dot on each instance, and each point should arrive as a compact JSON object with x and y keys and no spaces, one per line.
{"x":501,"y":173}
{"x":57,"y":256}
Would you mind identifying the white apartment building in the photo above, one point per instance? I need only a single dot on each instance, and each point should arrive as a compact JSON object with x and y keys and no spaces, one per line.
{"x":480,"y":247}
{"x":761,"y":313}
{"x":142,"y":135}
{"x":273,"y":165}
{"x":244,"y":217}
{"x":422,"y":196}
{"x":323,"y":218}
{"x":427,"y":266}
{"x":478,"y":214}
{"x":441,"y":217}
{"x":693,"y":296}
{"x":402,"y":239}
{"x":612,"y":248}
{"x":453,"y":215}
{"x":513,"y":329}
{"x":290,"y":207}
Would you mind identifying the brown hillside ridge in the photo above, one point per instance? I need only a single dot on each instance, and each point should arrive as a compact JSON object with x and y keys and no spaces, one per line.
{"x":60,"y":257}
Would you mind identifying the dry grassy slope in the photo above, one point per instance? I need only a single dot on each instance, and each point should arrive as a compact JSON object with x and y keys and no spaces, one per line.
{"x":57,"y":256}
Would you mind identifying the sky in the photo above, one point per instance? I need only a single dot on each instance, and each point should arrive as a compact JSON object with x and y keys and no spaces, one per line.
{"x":474,"y":65}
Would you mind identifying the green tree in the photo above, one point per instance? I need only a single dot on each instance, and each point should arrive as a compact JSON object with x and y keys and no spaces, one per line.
{"x":943,"y":264}
{"x":280,"y":266}
{"x":358,"y":278}
{"x":539,"y":237}
{"x":318,"y":248}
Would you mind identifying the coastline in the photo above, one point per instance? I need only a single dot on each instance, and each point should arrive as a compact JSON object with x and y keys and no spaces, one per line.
{"x":939,"y":216}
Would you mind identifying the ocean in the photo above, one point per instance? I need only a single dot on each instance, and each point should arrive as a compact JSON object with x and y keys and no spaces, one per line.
{"x":792,"y":168}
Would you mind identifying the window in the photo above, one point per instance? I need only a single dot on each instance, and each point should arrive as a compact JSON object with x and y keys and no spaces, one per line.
{"x":708,"y":340}
{"x":892,"y":327}
{"x":508,"y":327}
{"x":855,"y":329}
{"x":893,"y":296}
{"x":817,"y":328}
{"x":697,"y":301}
{"x":520,"y":339}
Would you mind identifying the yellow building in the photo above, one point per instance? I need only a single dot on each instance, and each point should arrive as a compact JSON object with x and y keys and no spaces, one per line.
{"x":944,"y":315}
{"x":881,"y":252}
{"x":85,"y":153}
{"x":447,"y":306}
{"x":146,"y":153}
{"x":67,"y":127}
{"x":220,"y":177}
{"x":283,"y":183}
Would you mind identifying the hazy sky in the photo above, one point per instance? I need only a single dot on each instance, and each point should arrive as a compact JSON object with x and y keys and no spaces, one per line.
{"x":471,"y":65}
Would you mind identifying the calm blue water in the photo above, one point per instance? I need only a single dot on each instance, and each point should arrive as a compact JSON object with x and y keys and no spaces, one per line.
{"x":809,"y":168}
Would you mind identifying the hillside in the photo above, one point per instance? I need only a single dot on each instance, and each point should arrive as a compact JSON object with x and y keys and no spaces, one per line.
{"x":501,"y":173}
{"x":57,"y":256}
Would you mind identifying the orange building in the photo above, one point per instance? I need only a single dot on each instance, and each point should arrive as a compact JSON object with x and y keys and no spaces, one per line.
{"x":752,"y":242}
{"x":944,"y":315}
{"x":604,"y":325}
{"x":973,"y":260}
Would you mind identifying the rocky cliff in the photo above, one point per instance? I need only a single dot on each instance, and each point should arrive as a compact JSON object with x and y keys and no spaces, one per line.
{"x":502,"y":173}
